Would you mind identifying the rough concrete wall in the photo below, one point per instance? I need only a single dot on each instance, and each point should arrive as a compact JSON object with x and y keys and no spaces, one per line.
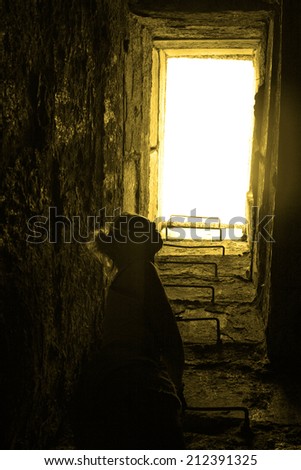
{"x":137,"y":118}
{"x":63,"y":131}
{"x":285,"y":319}
{"x":266,"y":242}
{"x":264,"y":164}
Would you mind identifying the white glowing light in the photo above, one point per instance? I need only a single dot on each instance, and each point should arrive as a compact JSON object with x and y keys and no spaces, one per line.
{"x":208,"y":135}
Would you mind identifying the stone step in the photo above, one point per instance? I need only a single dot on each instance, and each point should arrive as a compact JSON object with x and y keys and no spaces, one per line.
{"x":205,"y":248}
{"x":223,"y":290}
{"x":179,"y":261}
{"x":237,"y":324}
{"x":239,"y":385}
{"x":206,"y":266}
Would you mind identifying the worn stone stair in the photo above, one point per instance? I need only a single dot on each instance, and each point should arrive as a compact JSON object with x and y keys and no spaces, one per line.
{"x":232,"y":372}
{"x":227,"y":277}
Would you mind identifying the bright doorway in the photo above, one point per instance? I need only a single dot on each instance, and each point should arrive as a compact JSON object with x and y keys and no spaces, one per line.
{"x":207,"y":137}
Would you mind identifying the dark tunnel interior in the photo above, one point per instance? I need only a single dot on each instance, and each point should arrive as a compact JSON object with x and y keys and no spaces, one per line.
{"x":83,"y":118}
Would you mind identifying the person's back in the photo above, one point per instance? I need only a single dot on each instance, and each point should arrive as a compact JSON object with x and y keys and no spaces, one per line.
{"x":126,"y":323}
{"x":136,"y":376}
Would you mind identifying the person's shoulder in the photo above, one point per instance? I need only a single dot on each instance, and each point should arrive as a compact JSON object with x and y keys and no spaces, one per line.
{"x":146,"y":270}
{"x":139,"y":269}
{"x":151,"y":269}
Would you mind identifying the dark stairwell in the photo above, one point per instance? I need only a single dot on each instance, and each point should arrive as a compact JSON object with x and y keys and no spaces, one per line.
{"x":78,"y":137}
{"x":235,"y":371}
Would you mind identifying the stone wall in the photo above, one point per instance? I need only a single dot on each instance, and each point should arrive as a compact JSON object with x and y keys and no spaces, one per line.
{"x":137,"y":82}
{"x":63,"y":146}
{"x":76,"y":119}
{"x":265,"y":162}
{"x":285,"y":320}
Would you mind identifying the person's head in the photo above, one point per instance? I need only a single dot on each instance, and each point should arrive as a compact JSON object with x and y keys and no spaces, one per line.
{"x":131,"y":237}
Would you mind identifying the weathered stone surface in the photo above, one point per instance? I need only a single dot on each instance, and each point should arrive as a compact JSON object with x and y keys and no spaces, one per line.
{"x":76,"y":120}
{"x":137,"y":95}
{"x":62,"y":148}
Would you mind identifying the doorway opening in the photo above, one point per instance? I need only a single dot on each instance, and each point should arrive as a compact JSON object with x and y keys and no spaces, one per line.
{"x":204,"y":140}
{"x":207,"y":137}
{"x":208,"y":130}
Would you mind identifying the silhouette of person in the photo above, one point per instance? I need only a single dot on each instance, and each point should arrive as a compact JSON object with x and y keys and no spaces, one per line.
{"x":132,"y":391}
